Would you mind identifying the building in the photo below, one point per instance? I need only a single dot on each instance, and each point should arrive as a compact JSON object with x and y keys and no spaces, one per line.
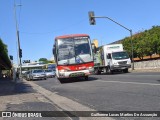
{"x":32,"y":65}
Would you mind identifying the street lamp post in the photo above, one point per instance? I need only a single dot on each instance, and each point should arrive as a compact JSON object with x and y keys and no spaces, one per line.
{"x":121,"y":26}
{"x":132,"y":50}
{"x":18,"y":40}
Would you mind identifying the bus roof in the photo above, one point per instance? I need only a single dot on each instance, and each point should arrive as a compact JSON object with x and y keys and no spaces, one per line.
{"x":72,"y":35}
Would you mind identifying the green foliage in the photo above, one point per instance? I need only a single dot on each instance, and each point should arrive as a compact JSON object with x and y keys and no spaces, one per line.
{"x":4,"y":54}
{"x":51,"y":61}
{"x":144,"y":43}
{"x":44,"y":60}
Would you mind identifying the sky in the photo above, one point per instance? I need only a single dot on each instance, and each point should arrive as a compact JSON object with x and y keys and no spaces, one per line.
{"x":40,"y":21}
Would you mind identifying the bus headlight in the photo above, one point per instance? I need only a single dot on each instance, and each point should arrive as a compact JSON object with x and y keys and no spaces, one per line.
{"x":90,"y":68}
{"x":63,"y":70}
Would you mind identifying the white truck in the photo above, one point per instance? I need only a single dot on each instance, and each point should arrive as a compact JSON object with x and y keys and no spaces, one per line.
{"x":110,"y":58}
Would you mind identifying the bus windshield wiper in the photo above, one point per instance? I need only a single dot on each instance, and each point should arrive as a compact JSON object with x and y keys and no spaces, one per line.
{"x":80,"y":58}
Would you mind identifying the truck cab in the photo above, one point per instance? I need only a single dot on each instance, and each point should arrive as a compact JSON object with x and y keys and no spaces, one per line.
{"x":118,"y":61}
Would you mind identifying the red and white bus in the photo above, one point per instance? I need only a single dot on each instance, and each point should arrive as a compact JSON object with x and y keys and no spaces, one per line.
{"x":73,"y":56}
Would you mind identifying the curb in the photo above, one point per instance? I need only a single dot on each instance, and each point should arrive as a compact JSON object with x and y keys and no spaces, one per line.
{"x":145,"y":70}
{"x":64,"y":103}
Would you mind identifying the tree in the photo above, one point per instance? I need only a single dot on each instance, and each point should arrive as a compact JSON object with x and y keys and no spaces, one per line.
{"x":144,"y":43}
{"x":44,"y":60}
{"x":4,"y":54}
{"x":127,"y":45}
{"x":139,"y":49}
{"x":51,"y":61}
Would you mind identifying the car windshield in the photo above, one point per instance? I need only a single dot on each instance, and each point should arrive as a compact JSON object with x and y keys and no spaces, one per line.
{"x":48,"y":71}
{"x":52,"y":66}
{"x":38,"y":71}
{"x":73,"y":50}
{"x":120,"y":55}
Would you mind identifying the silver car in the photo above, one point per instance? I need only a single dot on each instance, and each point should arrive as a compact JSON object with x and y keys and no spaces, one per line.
{"x":25,"y":75}
{"x":37,"y":74}
{"x":50,"y":73}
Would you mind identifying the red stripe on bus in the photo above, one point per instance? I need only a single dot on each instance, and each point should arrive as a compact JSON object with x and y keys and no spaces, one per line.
{"x":72,"y":35}
{"x":75,"y":67}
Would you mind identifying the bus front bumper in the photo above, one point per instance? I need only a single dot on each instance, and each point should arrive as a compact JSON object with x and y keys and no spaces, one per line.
{"x":70,"y":74}
{"x":120,"y":67}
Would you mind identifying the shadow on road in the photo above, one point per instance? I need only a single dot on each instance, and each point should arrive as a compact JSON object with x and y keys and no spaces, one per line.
{"x":9,"y":87}
{"x":114,"y":73}
{"x":71,"y":80}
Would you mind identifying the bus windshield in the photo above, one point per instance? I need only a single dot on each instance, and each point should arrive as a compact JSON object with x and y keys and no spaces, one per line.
{"x":74,"y":50}
{"x":120,"y":55}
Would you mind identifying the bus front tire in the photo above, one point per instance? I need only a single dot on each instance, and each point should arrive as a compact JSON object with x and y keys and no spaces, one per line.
{"x":86,"y":77}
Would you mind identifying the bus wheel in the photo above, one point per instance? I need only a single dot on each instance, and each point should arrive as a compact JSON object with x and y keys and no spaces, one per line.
{"x":60,"y":80}
{"x":86,"y":77}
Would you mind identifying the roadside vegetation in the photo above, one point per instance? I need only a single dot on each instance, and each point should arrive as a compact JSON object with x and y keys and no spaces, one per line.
{"x":146,"y":43}
{"x":4,"y":53}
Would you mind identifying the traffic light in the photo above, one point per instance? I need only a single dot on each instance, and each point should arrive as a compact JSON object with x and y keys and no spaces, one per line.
{"x":20,"y":53}
{"x":91,"y":18}
{"x":11,"y":57}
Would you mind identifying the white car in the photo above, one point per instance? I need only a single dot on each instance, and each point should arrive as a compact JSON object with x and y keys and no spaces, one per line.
{"x":50,"y":73}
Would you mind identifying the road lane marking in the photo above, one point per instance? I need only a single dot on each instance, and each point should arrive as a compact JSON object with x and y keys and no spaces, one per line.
{"x":153,"y":84}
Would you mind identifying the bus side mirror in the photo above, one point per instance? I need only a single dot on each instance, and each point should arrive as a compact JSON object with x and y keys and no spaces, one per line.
{"x":54,"y":53}
{"x":53,"y":50}
{"x":94,"y":49}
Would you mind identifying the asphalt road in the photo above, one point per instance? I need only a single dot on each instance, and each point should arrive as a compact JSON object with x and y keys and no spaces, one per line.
{"x":118,"y":92}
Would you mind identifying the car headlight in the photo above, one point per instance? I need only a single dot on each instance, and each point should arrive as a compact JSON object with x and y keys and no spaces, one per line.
{"x":128,"y":62}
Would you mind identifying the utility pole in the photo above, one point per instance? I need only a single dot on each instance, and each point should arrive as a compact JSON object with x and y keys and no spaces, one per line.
{"x":18,"y":41}
{"x":92,"y":22}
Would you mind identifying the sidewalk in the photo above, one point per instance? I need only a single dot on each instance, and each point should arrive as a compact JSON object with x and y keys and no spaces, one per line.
{"x":20,"y":96}
{"x":145,"y":70}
